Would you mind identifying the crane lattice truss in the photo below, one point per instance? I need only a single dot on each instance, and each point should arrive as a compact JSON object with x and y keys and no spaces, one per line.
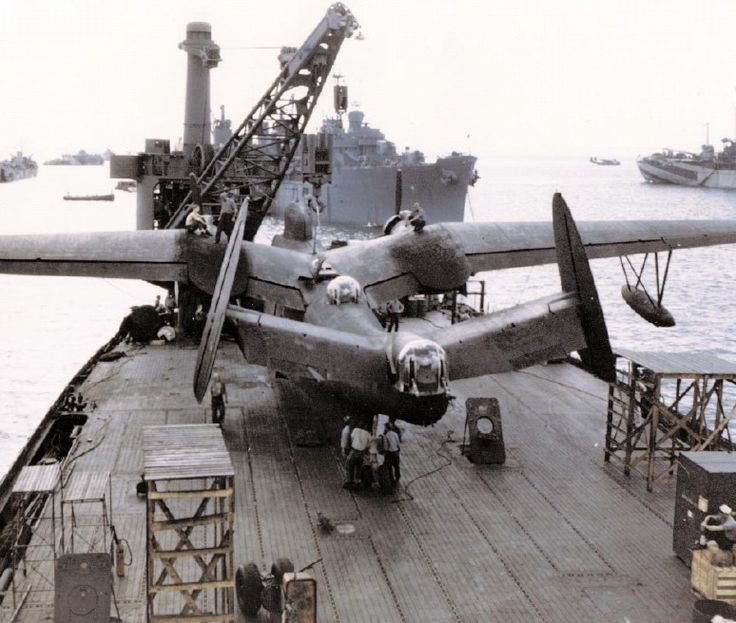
{"x":257,"y":156}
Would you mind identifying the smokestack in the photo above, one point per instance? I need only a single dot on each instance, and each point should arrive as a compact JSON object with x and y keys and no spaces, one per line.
{"x":203,"y":54}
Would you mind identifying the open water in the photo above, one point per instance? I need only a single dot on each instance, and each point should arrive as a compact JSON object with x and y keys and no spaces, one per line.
{"x":50,"y":326}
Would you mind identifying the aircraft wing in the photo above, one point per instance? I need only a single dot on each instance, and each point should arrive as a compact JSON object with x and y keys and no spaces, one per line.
{"x":491,"y":246}
{"x":158,"y":255}
{"x":443,"y":256}
{"x":150,"y":255}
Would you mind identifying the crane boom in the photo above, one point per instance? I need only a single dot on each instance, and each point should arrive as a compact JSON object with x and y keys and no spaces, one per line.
{"x":258,"y":154}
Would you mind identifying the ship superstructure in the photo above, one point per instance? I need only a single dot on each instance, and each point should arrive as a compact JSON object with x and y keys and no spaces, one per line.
{"x":707,"y":168}
{"x":81,"y":158}
{"x":371,"y":180}
{"x":17,"y":167}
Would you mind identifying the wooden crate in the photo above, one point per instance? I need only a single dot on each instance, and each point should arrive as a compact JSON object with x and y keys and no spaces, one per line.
{"x":713,"y":582}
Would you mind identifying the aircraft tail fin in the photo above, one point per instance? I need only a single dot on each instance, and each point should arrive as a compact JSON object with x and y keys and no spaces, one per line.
{"x":576,"y":276}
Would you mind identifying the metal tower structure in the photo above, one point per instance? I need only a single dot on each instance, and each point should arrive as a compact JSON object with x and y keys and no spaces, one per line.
{"x":258,"y":154}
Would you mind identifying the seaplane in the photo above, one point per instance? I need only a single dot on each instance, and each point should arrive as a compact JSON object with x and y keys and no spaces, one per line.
{"x":310,"y":315}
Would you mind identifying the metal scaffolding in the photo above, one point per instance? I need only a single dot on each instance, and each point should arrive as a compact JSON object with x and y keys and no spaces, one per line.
{"x":34,"y":532}
{"x":665,"y":403}
{"x":86,"y":513}
{"x":190,"y":516}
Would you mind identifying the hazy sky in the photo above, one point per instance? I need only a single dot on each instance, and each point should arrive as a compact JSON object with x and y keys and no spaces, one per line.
{"x":612,"y":78}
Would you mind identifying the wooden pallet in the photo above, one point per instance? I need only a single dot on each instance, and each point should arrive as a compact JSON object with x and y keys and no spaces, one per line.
{"x":713,"y":582}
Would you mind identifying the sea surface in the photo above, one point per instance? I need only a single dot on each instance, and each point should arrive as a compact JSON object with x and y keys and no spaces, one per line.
{"x":50,"y":326}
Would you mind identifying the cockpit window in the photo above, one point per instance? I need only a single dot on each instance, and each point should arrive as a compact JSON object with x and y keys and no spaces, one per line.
{"x":343,"y":289}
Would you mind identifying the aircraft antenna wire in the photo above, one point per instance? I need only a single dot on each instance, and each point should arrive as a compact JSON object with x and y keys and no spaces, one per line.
{"x":118,"y":288}
{"x":101,"y":437}
{"x":525,"y":286}
{"x":470,"y":206}
{"x":561,"y":384}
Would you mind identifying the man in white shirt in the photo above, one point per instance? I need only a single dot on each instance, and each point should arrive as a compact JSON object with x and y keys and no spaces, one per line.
{"x":395,"y":308}
{"x":227,"y":214}
{"x":345,"y":436}
{"x":359,"y":440}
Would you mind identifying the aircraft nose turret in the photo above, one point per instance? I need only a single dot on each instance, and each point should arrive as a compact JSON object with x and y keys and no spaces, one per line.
{"x":422,"y":368}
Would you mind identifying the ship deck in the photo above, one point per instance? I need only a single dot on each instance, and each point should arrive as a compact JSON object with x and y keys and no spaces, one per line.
{"x":553,"y":535}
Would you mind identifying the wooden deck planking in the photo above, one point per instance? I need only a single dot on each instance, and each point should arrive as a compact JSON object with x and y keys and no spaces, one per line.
{"x":284,"y":526}
{"x":609,"y":518}
{"x":408,"y":577}
{"x":555,"y":535}
{"x":202,"y":415}
{"x":353,"y":567}
{"x":130,"y":454}
{"x":131,"y":590}
{"x":469,"y":569}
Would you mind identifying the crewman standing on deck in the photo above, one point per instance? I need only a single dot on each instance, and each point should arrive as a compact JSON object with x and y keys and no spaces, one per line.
{"x":345,"y":436}
{"x":218,"y":392}
{"x":359,"y":440}
{"x":392,"y":445}
{"x":227,"y":212}
{"x":395,"y":308}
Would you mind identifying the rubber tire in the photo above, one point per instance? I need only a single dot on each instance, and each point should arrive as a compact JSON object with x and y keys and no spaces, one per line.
{"x":281,"y":566}
{"x":248,"y":587}
{"x":384,"y":480}
{"x":271,"y":597}
{"x":366,"y":478}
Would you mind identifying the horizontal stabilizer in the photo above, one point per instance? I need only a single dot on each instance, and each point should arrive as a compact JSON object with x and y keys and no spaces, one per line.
{"x":514,"y":338}
{"x":326,"y":354}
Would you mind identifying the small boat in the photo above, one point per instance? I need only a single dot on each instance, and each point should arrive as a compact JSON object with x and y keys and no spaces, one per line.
{"x":110,"y":197}
{"x":126,"y":185}
{"x":605,"y":161}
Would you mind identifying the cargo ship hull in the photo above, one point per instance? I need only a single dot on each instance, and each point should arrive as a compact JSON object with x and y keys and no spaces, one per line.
{"x":15,"y":175}
{"x":366,"y":196}
{"x":685,"y":173}
{"x":17,"y":168}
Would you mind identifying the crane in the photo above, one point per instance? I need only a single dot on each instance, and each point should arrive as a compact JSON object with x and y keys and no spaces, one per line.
{"x":257,"y":156}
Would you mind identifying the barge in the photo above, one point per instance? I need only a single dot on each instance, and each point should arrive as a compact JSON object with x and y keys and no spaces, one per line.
{"x":556,"y":534}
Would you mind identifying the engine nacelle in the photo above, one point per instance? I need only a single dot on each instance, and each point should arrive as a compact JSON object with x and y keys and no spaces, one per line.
{"x":421,"y":368}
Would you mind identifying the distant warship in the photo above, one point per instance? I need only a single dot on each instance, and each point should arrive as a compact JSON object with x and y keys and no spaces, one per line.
{"x":708,"y":168}
{"x":81,"y":158}
{"x":371,"y":181}
{"x":17,"y":167}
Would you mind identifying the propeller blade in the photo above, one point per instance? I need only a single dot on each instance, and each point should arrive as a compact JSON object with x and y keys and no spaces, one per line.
{"x":220,"y":299}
